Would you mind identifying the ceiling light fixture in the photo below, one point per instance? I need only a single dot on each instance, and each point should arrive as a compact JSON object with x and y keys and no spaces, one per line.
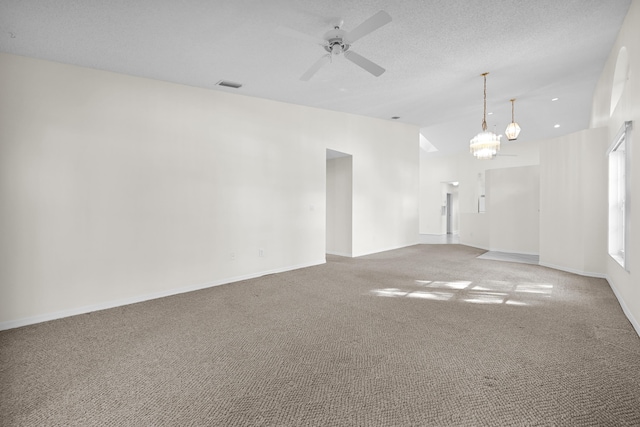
{"x":485,"y":145}
{"x":513,"y":129}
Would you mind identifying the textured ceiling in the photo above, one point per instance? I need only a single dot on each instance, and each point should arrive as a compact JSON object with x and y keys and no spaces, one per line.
{"x":433,"y":52}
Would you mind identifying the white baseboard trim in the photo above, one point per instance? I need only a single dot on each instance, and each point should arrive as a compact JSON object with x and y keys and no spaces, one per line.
{"x":574,"y":271}
{"x":11,"y":324}
{"x":510,"y":251}
{"x":393,"y":248}
{"x":474,"y":246}
{"x":634,"y":322}
{"x":339,"y":254}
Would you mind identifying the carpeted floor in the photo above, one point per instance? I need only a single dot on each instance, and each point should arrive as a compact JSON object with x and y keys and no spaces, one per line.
{"x":427,"y":336}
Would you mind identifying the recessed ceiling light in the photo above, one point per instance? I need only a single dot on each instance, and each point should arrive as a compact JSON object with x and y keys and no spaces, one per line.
{"x":556,"y":126}
{"x":488,"y":114}
{"x":395,"y":117}
{"x":554,"y":99}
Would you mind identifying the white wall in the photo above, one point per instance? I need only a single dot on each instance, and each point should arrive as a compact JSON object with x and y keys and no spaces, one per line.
{"x":513,"y":200}
{"x":573,"y":184}
{"x":626,"y":284}
{"x":339,"y":206}
{"x":116,"y":188}
{"x":474,"y":227}
{"x":386,"y":180}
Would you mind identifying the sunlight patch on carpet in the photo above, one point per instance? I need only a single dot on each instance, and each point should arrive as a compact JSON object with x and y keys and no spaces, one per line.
{"x":487,"y":292}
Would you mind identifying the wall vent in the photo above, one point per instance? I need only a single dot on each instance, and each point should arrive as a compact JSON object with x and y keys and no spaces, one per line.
{"x":227,"y":83}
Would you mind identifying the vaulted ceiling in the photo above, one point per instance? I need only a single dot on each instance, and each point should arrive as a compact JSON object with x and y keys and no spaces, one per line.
{"x":434,"y":52}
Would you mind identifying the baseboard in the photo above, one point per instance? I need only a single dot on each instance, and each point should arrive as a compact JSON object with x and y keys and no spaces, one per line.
{"x":11,"y":324}
{"x":339,"y":254}
{"x":634,"y":322}
{"x":572,"y":270}
{"x":510,"y":251}
{"x":474,"y":246}
{"x":393,"y":248}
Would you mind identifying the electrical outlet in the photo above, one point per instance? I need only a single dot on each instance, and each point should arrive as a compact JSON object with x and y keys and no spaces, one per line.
{"x":232,"y":256}
{"x":261,"y":252}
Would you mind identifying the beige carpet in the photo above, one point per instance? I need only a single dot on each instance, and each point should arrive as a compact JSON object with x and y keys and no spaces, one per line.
{"x":426,"y":336}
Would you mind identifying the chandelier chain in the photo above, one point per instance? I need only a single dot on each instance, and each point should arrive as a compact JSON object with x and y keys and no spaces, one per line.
{"x":484,"y":117}
{"x":486,"y":144}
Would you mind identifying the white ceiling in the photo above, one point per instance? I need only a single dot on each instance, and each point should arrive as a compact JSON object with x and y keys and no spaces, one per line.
{"x":434,"y":52}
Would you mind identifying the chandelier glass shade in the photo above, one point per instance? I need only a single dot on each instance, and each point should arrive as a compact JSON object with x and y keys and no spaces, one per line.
{"x":513,"y":129}
{"x":486,"y":144}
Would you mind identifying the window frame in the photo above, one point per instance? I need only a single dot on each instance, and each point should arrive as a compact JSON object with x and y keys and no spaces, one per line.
{"x":620,"y":251}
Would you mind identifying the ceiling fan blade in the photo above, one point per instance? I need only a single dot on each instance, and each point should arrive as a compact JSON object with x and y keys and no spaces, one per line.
{"x":290,"y":32}
{"x":363,"y":62}
{"x":315,"y":67}
{"x":376,"y":21}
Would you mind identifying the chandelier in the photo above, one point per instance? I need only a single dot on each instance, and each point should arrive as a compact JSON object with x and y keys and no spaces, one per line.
{"x":485,"y":145}
{"x":513,"y":129}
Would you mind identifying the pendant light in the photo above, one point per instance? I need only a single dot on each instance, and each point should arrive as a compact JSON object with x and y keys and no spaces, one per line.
{"x":486,"y":144}
{"x":513,"y":129}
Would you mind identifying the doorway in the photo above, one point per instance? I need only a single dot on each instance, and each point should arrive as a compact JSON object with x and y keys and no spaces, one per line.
{"x":339,"y":203}
{"x":449,"y":217}
{"x":450,"y":208}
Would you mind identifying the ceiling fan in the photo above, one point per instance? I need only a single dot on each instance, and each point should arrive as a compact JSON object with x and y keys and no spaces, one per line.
{"x":338,"y":42}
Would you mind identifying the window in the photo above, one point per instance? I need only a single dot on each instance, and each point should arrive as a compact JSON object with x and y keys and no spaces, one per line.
{"x":619,"y":190}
